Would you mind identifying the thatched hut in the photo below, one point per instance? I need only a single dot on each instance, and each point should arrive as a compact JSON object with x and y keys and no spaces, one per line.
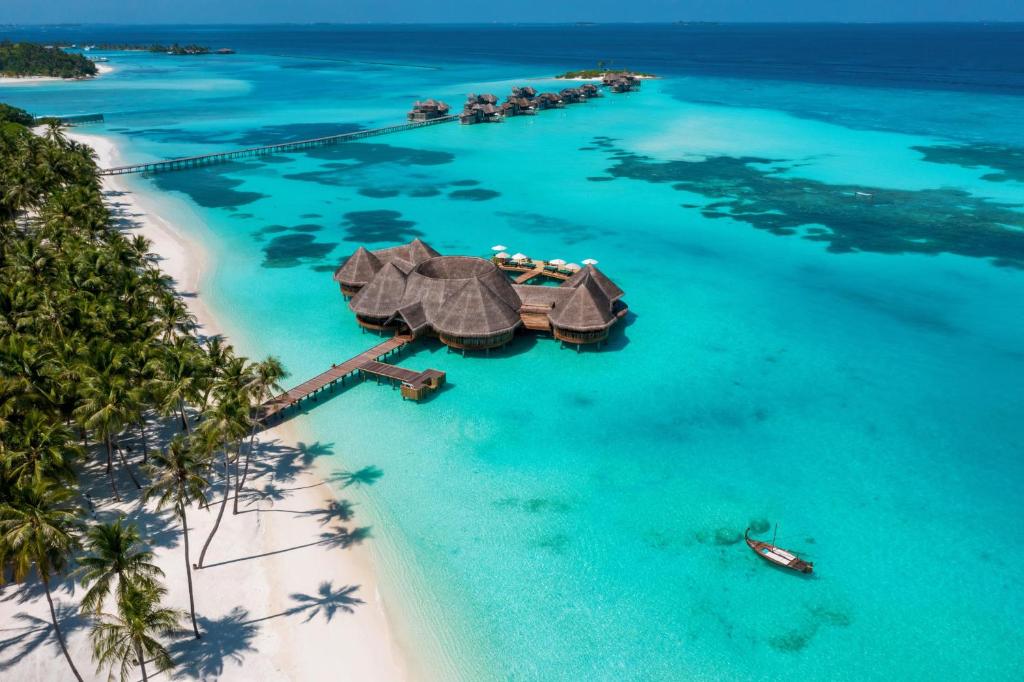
{"x":356,"y":271}
{"x":548,"y":100}
{"x":621,"y":82}
{"x":428,"y":110}
{"x":590,"y":91}
{"x":469,"y":302}
{"x":481,"y":109}
{"x":572,"y":95}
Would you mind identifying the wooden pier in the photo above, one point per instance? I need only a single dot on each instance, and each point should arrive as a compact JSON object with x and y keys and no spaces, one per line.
{"x":414,"y":385}
{"x":250,"y":152}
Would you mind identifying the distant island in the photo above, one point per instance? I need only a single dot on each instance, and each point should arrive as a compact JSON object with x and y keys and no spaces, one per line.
{"x":174,"y":49}
{"x":601,"y":72}
{"x":22,"y":60}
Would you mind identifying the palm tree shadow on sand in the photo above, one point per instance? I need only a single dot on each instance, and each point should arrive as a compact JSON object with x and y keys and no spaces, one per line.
{"x":31,"y":632}
{"x":368,"y":475}
{"x":230,"y":638}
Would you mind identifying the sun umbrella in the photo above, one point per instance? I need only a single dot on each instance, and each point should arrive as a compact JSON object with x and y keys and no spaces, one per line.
{"x":502,"y":255}
{"x":498,"y":247}
{"x":572,"y":266}
{"x":589,"y":261}
{"x":520,"y":256}
{"x":557,"y":261}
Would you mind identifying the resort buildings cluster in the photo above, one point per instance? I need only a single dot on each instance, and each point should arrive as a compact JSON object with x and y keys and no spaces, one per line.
{"x":473,"y":303}
{"x":522,"y":101}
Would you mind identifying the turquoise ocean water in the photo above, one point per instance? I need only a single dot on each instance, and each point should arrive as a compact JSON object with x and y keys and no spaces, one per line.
{"x":825,"y":273}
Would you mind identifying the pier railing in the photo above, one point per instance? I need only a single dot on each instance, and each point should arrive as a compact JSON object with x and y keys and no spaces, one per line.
{"x":222,"y":157}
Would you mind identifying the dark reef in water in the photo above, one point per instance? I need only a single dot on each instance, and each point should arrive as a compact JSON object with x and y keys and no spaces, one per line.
{"x":210,"y":186}
{"x":290,"y":250}
{"x":541,"y":223}
{"x":849,"y":218}
{"x":378,"y":226}
{"x":1008,"y":162}
{"x":474,"y":194}
{"x":347,"y":162}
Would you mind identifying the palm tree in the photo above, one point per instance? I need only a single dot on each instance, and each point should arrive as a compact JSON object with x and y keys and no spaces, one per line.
{"x":128,"y":637}
{"x":115,"y":552}
{"x":180,"y":377}
{"x":106,"y":407}
{"x":264,"y":384}
{"x":227,"y":425}
{"x":39,"y":529}
{"x":177,"y":481}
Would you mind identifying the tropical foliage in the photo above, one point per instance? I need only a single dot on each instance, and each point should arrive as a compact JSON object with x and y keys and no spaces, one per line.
{"x":29,"y":59}
{"x":96,"y":349}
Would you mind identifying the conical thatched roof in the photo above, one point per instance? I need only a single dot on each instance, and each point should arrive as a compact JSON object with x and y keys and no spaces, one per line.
{"x":383,"y":295}
{"x":359,"y":269}
{"x":420,"y":251}
{"x":588,"y":309}
{"x":474,"y":310}
{"x":610,"y":288}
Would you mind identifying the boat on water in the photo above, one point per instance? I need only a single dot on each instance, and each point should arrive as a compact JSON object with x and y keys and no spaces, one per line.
{"x":778,"y":556}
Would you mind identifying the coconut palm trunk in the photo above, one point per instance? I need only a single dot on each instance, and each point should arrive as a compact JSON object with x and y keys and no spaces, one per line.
{"x":240,"y":479}
{"x":184,"y":421}
{"x":124,"y":463}
{"x":188,"y":574}
{"x":142,"y":660}
{"x":110,"y":468}
{"x":56,"y":629}
{"x":223,"y":506}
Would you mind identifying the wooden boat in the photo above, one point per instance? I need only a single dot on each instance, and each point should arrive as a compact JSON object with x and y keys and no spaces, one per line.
{"x":778,"y":556}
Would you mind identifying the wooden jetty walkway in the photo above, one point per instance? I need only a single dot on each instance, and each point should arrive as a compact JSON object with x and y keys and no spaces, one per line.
{"x":284,"y":147}
{"x":414,"y":384}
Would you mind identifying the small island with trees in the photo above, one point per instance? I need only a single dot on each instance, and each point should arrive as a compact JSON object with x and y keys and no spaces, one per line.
{"x":601,"y":71}
{"x":22,"y":60}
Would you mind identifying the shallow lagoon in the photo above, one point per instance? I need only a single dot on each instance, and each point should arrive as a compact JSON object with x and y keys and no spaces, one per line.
{"x":561,"y":515}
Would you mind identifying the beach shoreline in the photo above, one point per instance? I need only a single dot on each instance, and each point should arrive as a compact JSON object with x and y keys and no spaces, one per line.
{"x":361,"y":634}
{"x":101,"y":70}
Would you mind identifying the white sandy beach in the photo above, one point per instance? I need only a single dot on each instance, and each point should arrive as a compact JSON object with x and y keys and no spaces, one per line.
{"x":102,"y":69}
{"x":274,"y":598}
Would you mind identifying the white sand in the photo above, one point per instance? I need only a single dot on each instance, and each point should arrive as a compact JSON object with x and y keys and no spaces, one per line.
{"x":102,"y":69}
{"x":255,"y":629}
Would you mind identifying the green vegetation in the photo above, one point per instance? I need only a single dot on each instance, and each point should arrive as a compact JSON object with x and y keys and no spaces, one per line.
{"x":174,"y":48}
{"x":600,"y":71}
{"x":97,"y":351}
{"x":15,"y":115}
{"x":29,"y":59}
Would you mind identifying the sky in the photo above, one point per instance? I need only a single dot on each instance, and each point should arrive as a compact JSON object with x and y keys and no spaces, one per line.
{"x":441,"y":11}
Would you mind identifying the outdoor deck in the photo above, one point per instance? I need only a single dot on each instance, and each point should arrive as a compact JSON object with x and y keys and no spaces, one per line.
{"x":534,"y":268}
{"x":414,"y":384}
{"x":223,"y":157}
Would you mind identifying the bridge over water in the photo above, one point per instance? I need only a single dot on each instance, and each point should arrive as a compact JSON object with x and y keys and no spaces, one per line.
{"x":222,"y":157}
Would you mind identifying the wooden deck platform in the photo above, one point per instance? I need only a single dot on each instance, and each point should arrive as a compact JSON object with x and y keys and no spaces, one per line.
{"x":414,"y":384}
{"x":534,"y":268}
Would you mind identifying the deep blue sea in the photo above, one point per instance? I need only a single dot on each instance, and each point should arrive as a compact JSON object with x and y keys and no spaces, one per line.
{"x":820,"y":232}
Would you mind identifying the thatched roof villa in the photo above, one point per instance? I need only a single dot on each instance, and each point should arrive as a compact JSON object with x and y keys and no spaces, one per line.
{"x":548,"y":100}
{"x":621,"y":82}
{"x":428,"y":110}
{"x":481,"y":109}
{"x":469,"y":302}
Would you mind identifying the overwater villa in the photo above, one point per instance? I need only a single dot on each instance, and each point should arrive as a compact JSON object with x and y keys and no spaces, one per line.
{"x":518,"y":106}
{"x":621,"y":82}
{"x":481,"y":109}
{"x":472,"y":303}
{"x":572,"y":95}
{"x":590,"y":90}
{"x":428,"y":110}
{"x":548,"y":100}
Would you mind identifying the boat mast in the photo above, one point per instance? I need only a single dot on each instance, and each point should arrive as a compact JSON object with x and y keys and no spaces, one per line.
{"x":774,"y":533}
